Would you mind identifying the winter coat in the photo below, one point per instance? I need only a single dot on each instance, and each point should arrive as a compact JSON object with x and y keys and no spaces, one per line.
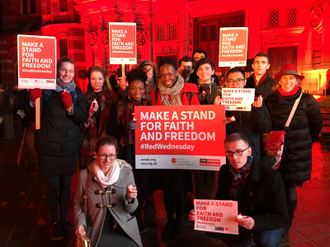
{"x":304,"y":129}
{"x":174,"y":181}
{"x":4,"y":103}
{"x":245,"y":124}
{"x":264,"y":88}
{"x":262,"y":197}
{"x":208,"y":92}
{"x":93,"y":129}
{"x":188,"y":88}
{"x":120,"y":209}
{"x":59,"y":133}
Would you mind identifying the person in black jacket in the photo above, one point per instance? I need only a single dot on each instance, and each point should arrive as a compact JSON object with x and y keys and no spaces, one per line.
{"x":241,"y":121}
{"x":260,"y":80}
{"x":260,"y":194}
{"x":303,"y":131}
{"x":58,"y":142}
{"x":208,"y":90}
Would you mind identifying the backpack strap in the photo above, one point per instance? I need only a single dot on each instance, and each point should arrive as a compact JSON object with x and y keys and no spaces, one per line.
{"x":189,"y":96}
{"x":156,"y":93}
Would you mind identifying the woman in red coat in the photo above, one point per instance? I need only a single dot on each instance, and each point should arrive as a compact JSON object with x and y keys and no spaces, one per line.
{"x":172,"y":90}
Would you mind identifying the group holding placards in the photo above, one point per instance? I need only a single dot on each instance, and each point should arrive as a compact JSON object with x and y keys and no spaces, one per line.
{"x":121,"y":188}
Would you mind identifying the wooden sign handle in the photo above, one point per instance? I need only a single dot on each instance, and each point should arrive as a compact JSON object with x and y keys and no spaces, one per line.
{"x":37,"y":106}
{"x":123,"y":70}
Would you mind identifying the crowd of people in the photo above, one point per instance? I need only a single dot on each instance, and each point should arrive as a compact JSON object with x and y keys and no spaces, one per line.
{"x":96,"y":131}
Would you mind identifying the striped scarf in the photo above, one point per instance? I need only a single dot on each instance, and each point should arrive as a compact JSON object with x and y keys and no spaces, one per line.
{"x":239,"y":176}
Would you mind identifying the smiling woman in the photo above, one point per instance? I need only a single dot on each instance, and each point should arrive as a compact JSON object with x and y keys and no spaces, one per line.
{"x":303,"y":131}
{"x":99,"y":101}
{"x":112,"y":179}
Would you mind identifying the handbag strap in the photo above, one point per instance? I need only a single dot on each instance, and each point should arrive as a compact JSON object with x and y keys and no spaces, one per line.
{"x":85,"y":197}
{"x":293,"y":110}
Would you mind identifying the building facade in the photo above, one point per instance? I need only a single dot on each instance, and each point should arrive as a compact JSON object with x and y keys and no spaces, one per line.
{"x":290,"y":31}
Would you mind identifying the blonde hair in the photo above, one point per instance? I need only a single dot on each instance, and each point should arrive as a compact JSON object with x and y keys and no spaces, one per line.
{"x":277,"y":85}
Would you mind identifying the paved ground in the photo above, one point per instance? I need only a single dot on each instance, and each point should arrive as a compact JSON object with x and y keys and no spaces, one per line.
{"x":24,"y":220}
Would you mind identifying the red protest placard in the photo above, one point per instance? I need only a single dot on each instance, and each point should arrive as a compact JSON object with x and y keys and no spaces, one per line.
{"x":180,"y":137}
{"x":36,"y":57}
{"x":122,"y":43}
{"x":233,"y":46}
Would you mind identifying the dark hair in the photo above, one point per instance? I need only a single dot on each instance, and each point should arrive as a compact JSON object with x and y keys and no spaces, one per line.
{"x":90,"y":94}
{"x":170,"y":61}
{"x":204,"y":61}
{"x":64,"y":60}
{"x":148,"y":62}
{"x":233,"y":70}
{"x":89,"y":74}
{"x":106,"y":140}
{"x":199,"y":51}
{"x":186,"y":59}
{"x":262,"y":54}
{"x":136,"y":74}
{"x":234,"y":137}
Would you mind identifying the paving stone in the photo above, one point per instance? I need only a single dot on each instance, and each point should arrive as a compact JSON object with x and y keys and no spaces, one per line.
{"x":322,"y":241}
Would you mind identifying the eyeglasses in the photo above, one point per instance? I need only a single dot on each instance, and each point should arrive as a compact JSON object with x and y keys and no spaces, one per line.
{"x":237,"y":81}
{"x":237,"y":152}
{"x":110,"y":156}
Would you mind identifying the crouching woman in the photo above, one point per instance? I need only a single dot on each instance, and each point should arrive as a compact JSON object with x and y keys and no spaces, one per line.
{"x":111,"y":197}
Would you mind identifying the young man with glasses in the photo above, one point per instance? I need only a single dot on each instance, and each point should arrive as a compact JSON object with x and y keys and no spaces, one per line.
{"x":241,"y":121}
{"x":259,"y":191}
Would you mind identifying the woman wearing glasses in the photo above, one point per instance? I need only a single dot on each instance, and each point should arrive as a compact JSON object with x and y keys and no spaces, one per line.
{"x":208,"y":90}
{"x":241,"y":121}
{"x":111,"y":198}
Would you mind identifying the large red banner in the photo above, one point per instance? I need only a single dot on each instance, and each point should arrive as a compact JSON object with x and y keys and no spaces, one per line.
{"x":36,"y":57}
{"x":233,"y":46}
{"x":122,"y":43}
{"x":180,"y":137}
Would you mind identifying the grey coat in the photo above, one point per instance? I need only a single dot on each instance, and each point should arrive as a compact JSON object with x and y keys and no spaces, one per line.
{"x":120,"y":210}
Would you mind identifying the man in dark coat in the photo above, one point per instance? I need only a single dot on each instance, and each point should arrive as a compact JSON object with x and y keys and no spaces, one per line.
{"x":260,"y":80}
{"x":259,"y":191}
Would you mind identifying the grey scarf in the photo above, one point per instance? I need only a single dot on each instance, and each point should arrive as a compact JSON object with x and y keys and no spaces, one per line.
{"x":174,"y":92}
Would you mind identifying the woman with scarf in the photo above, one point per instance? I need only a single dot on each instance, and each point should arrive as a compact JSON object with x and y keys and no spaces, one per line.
{"x":172,"y":90}
{"x":108,"y":186}
{"x":208,"y":90}
{"x":58,"y":142}
{"x":122,"y":125}
{"x":303,"y":131}
{"x":98,"y":100}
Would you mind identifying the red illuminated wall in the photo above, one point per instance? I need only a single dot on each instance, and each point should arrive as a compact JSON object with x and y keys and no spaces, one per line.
{"x":290,"y":31}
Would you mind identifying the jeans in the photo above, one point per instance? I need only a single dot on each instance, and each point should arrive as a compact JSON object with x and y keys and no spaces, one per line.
{"x":262,"y":239}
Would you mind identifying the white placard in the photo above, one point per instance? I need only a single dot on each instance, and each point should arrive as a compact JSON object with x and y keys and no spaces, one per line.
{"x":216,"y":216}
{"x":237,"y":99}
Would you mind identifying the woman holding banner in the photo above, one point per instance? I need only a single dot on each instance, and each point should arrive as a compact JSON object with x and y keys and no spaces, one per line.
{"x":172,"y":90}
{"x":122,"y":125}
{"x":98,"y":100}
{"x":208,"y":90}
{"x":58,"y":142}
